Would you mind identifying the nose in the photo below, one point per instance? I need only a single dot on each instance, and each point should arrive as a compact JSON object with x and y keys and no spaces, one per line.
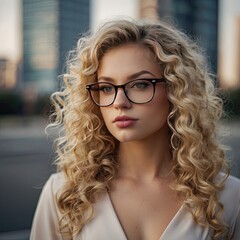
{"x":121,"y":100}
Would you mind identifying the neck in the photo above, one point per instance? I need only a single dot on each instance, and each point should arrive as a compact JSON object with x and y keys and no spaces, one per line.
{"x":145,"y":160}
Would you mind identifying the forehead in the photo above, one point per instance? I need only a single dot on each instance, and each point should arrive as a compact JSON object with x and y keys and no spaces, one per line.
{"x":129,"y":48}
{"x":127,"y":59}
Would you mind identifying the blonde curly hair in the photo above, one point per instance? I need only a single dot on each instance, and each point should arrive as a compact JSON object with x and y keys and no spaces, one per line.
{"x":86,"y":151}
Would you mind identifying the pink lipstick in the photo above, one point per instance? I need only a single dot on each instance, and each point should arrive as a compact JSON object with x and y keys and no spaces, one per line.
{"x":124,"y":121}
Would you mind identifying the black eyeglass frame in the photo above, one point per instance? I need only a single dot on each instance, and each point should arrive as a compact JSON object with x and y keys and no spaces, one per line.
{"x":154,"y":81}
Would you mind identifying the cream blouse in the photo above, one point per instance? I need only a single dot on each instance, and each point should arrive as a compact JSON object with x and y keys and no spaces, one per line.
{"x":106,"y":226}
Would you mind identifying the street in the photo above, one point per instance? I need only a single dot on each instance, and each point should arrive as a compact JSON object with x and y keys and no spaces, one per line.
{"x":26,"y":159}
{"x":25,"y":163}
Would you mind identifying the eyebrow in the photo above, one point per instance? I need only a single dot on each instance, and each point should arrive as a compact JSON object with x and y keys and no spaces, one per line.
{"x":130,"y":77}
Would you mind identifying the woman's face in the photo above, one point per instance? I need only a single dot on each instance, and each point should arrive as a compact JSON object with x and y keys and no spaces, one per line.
{"x":125,"y":120}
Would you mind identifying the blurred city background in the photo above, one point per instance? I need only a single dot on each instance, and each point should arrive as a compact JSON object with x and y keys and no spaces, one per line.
{"x":36,"y":36}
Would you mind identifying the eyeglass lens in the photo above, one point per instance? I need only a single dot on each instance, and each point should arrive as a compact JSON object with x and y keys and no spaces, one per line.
{"x":137,"y":91}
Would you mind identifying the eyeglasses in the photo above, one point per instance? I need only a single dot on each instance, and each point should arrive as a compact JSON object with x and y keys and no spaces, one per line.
{"x":137,"y":91}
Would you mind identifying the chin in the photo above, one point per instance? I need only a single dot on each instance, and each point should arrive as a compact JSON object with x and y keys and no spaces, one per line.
{"x":123,"y":137}
{"x":128,"y":138}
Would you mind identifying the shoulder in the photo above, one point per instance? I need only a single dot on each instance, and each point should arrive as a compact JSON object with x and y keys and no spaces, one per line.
{"x":230,"y":198}
{"x":231,"y":188}
{"x":51,"y":188}
{"x":47,"y":215}
{"x":56,"y":181}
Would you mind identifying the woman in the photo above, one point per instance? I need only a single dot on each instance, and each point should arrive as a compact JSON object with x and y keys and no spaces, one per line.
{"x":138,"y":157}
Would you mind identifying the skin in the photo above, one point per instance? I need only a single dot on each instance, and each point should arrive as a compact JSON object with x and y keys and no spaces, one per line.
{"x":141,"y":194}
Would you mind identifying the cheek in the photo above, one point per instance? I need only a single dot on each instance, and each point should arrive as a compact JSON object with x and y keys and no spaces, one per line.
{"x":102,"y":113}
{"x":161,"y":103}
{"x":105,"y":116}
{"x":107,"y":119}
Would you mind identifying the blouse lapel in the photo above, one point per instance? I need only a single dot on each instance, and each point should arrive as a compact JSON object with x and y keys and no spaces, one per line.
{"x":105,"y":224}
{"x":184,"y":227}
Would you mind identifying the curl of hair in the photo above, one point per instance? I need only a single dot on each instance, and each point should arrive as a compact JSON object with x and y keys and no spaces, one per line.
{"x":87,"y":151}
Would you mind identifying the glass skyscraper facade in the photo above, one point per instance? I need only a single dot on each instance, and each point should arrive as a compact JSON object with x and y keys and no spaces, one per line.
{"x":199,"y":19}
{"x":50,"y":29}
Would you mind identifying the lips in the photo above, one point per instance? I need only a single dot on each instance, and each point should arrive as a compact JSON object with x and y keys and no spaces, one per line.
{"x":124,"y":121}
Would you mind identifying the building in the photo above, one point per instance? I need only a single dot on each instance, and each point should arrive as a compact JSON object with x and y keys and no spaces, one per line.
{"x":229,"y":44}
{"x":237,"y":44}
{"x":199,"y":19}
{"x":229,"y":64}
{"x":50,"y":29}
{"x":148,"y":9}
{"x":8,"y":74}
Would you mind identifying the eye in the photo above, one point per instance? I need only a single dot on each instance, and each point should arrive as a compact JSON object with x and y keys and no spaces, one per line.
{"x":105,"y":88}
{"x":141,"y":85}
